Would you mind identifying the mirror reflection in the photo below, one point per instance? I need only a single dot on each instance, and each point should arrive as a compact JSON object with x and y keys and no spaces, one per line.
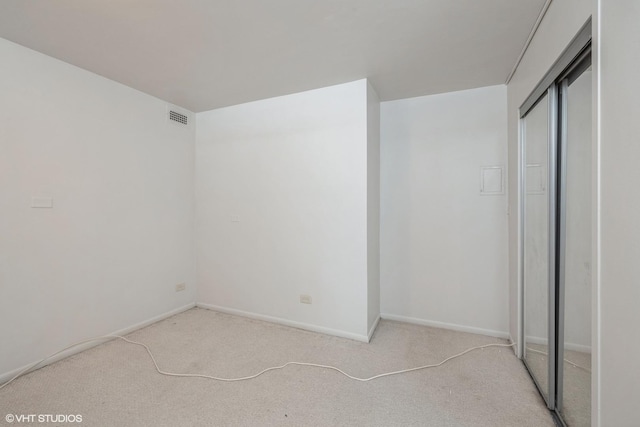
{"x":536,"y":244}
{"x":576,"y":396}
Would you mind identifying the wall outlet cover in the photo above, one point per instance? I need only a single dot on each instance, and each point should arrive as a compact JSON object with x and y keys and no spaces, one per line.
{"x":41,"y":202}
{"x":305,"y":299}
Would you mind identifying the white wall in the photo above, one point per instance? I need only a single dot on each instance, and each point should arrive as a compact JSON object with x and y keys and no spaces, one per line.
{"x":281,"y":188}
{"x":373,"y":207}
{"x":443,"y":244}
{"x":617,"y":41}
{"x":120,"y":234}
{"x":563,"y":20}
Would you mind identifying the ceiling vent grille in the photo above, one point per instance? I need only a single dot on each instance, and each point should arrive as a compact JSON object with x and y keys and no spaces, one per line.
{"x":177,"y":117}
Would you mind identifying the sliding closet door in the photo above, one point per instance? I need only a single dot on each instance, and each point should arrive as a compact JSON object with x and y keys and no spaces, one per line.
{"x":538,"y":226}
{"x":574,"y":371}
{"x":556,"y":233}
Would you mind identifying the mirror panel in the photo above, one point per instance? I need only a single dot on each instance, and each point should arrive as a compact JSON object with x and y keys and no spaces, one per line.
{"x":536,"y":243}
{"x":575,"y":403}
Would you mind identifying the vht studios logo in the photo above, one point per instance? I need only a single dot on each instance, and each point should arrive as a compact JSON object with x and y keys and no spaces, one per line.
{"x":43,"y":418}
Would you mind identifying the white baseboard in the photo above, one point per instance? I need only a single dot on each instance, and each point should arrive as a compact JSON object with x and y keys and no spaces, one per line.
{"x":568,"y":346}
{"x":82,"y":347}
{"x":536,"y":340}
{"x":443,"y":325}
{"x":515,"y":348}
{"x":286,"y":322}
{"x":577,"y":347}
{"x":373,"y":328}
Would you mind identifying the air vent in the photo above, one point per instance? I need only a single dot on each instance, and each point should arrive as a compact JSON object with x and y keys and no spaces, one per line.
{"x":177,"y":117}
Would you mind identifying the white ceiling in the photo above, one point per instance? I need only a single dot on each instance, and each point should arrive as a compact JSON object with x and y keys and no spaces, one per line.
{"x":205,"y":54}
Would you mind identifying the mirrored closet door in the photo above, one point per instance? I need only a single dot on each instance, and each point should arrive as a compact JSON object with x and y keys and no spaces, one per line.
{"x":556,"y":193}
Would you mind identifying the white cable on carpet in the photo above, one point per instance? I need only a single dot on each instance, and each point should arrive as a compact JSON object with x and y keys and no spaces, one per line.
{"x":172,"y":374}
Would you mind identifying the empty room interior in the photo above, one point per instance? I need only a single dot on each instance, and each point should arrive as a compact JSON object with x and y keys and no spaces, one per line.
{"x":354,"y":213}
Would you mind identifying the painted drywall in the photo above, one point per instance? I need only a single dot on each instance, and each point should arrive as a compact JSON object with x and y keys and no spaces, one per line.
{"x":560,"y":24}
{"x":281,"y":189}
{"x":617,"y":40}
{"x":119,"y":237}
{"x":373,"y":208}
{"x":443,"y":243}
{"x":211,"y":54}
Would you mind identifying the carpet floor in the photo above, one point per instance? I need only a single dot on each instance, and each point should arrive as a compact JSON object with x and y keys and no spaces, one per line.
{"x":115,"y":383}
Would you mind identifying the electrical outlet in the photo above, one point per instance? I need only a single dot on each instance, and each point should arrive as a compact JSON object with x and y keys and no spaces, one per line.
{"x":305,"y":299}
{"x":181,"y":287}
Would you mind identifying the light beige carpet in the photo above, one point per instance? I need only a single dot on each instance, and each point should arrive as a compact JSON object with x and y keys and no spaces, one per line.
{"x":115,"y":384}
